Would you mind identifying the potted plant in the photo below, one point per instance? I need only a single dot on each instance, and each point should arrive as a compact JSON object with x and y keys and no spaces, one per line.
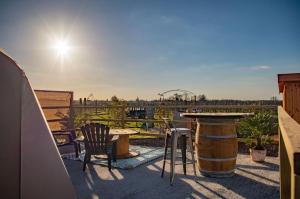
{"x":257,"y":130}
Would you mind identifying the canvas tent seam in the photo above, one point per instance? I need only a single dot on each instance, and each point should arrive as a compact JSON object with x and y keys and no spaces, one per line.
{"x":10,"y":59}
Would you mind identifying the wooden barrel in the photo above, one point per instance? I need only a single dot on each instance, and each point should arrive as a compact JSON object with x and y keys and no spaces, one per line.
{"x":216,"y":148}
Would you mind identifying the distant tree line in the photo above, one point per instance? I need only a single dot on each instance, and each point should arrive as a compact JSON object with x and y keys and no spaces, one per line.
{"x":177,"y":100}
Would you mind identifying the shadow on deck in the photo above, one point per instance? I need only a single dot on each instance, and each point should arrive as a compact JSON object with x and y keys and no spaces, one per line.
{"x":252,"y":180}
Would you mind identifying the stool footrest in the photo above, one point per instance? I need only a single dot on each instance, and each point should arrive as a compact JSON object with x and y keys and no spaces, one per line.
{"x":168,"y":162}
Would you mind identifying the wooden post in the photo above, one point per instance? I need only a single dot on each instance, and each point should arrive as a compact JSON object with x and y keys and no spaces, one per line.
{"x":123,"y":117}
{"x":289,"y":155}
{"x":96,"y":104}
{"x":285,"y":170}
{"x":71,"y":114}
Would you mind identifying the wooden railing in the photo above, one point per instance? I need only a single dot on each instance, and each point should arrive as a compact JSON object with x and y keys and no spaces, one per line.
{"x":289,"y":133}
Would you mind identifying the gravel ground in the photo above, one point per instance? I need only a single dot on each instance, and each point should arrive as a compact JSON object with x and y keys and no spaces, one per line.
{"x":251,"y":180}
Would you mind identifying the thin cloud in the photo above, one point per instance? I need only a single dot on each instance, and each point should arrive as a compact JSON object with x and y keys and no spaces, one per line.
{"x":163,"y":58}
{"x":263,"y":67}
{"x":167,"y":20}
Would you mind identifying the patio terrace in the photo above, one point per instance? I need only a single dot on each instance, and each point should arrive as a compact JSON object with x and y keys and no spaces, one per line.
{"x":32,"y":167}
{"x":251,"y":180}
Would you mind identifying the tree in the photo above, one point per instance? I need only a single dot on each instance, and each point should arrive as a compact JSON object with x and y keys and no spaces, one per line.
{"x":114,"y":99}
{"x":274,"y":98}
{"x":201,"y":97}
{"x":117,"y":111}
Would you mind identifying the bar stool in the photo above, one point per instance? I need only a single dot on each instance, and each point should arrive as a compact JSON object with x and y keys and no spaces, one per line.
{"x":175,"y":133}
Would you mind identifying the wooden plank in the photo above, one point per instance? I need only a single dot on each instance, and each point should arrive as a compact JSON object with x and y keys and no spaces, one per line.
{"x":71,"y":113}
{"x":282,"y":78}
{"x":56,"y":107}
{"x":296,"y":101}
{"x":55,"y":91}
{"x":285,"y":170}
{"x":295,"y":186}
{"x":297,"y":117}
{"x":58,"y":120}
{"x":122,"y":132}
{"x":289,"y":77}
{"x":290,"y":132}
{"x":123,"y":117}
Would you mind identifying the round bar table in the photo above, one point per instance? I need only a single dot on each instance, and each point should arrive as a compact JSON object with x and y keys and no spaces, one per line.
{"x":123,"y":142}
{"x":216,"y":142}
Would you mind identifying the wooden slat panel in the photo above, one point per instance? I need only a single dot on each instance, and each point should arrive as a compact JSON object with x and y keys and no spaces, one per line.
{"x":282,"y":78}
{"x":291,"y":99}
{"x":57,"y":106}
{"x":54,"y":98}
{"x":55,"y":126}
{"x":51,"y":114}
{"x":296,"y":102}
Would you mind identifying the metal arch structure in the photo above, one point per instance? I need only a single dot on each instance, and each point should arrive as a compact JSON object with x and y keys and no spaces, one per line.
{"x":184,"y":92}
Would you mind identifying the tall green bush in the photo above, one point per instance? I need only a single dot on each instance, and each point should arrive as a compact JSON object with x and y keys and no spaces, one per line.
{"x":257,"y":130}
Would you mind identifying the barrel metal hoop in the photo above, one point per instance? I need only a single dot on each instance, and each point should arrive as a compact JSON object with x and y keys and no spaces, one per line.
{"x":218,"y":123}
{"x":218,"y":136}
{"x":217,"y":172}
{"x":217,"y":159}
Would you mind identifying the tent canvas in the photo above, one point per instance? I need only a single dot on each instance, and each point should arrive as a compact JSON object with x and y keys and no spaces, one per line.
{"x":31,"y":166}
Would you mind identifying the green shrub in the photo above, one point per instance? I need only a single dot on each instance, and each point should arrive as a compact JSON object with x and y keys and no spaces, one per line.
{"x":257,"y":130}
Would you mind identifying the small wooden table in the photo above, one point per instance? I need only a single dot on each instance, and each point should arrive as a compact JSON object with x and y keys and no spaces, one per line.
{"x":216,"y":142}
{"x":123,"y":142}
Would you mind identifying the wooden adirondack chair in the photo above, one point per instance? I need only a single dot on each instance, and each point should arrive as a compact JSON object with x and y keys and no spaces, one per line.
{"x":97,"y":141}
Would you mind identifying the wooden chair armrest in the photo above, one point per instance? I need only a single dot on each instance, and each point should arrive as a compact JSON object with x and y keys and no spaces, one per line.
{"x":70,"y":137}
{"x":65,"y":130}
{"x":70,"y":133}
{"x":78,"y":140}
{"x":61,"y":133}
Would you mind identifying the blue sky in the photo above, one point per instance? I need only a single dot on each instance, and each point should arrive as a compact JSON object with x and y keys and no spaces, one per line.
{"x":224,"y":49}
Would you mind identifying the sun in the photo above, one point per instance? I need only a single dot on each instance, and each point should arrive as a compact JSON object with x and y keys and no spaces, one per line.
{"x":62,"y":47}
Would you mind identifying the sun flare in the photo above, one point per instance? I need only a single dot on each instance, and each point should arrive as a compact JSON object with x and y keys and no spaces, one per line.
{"x":62,"y":47}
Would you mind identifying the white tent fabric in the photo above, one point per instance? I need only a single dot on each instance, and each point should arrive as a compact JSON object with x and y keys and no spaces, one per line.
{"x":30,"y":163}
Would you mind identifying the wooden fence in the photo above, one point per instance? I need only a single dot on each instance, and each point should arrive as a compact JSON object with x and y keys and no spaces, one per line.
{"x":289,"y":146}
{"x":122,"y":120}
